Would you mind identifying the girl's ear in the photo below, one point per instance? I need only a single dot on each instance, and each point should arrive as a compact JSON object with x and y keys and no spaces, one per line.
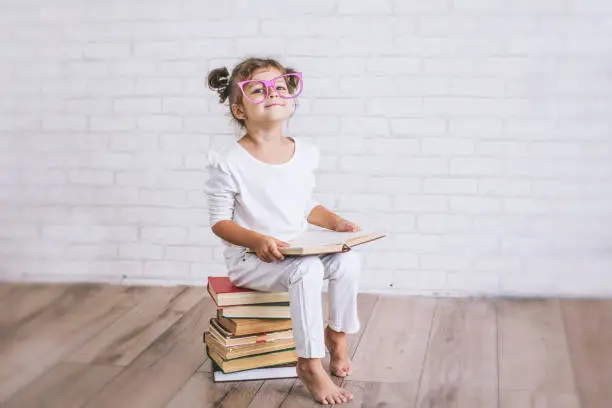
{"x":238,"y":111}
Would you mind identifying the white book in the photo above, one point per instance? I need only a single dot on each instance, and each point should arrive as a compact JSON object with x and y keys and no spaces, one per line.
{"x":326,"y":241}
{"x":256,"y":374}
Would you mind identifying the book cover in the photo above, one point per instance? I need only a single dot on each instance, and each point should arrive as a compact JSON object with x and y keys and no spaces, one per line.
{"x":259,"y":311}
{"x":229,"y":340}
{"x":232,"y":352}
{"x":225,"y":293}
{"x":254,"y":326}
{"x":263,"y":373}
{"x":270,"y":359}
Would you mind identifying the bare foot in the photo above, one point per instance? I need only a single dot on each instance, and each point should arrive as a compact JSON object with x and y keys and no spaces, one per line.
{"x":322,"y":388}
{"x":340,"y":364}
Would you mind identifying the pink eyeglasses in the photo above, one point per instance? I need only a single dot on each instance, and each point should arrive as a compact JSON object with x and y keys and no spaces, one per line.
{"x":286,"y":86}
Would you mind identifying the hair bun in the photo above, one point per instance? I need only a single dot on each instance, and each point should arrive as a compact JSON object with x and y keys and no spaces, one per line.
{"x":218,"y":80}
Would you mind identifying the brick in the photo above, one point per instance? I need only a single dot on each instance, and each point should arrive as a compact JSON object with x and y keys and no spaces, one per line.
{"x":420,"y":203}
{"x":478,"y":5}
{"x":106,"y":50}
{"x":474,"y":166}
{"x":163,"y":235}
{"x":390,"y":107}
{"x":502,"y":148}
{"x":158,"y":50}
{"x":372,"y":165}
{"x":68,"y":123}
{"x":391,"y":222}
{"x":371,"y":202}
{"x":504,"y":187}
{"x":337,"y":106}
{"x":447,"y":147}
{"x":137,"y":105}
{"x":415,"y":242}
{"x":393,"y":147}
{"x":347,"y":183}
{"x":159,"y":86}
{"x":188,"y":253}
{"x":419,"y":126}
{"x":526,"y":205}
{"x":160,"y":123}
{"x":415,"y":6}
{"x":91,"y":177}
{"x":445,"y":262}
{"x":133,"y":141}
{"x":141,"y":251}
{"x":349,"y":144}
{"x":364,"y":7}
{"x":450,"y":186}
{"x":475,"y":204}
{"x":162,"y":197}
{"x":393,"y":66}
{"x":443,"y":223}
{"x":389,"y":260}
{"x":185,"y":105}
{"x":18,"y":231}
{"x":165,"y":269}
{"x":184,"y":142}
{"x":111,"y":87}
{"x":392,"y":185}
{"x":421,"y":166}
{"x":371,"y":126}
{"x":112,"y":123}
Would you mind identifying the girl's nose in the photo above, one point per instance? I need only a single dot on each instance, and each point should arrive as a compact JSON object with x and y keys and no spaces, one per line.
{"x":272,"y":91}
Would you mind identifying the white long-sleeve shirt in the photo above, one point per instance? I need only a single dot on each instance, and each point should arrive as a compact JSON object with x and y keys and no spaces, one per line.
{"x":272,"y":199}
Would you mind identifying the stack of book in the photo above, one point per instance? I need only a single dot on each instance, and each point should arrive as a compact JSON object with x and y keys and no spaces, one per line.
{"x":251,"y":336}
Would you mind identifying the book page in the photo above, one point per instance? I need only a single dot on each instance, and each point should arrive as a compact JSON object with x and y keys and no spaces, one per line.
{"x":324,"y":237}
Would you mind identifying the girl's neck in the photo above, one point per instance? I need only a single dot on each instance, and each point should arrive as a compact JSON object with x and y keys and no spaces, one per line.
{"x":259,"y":136}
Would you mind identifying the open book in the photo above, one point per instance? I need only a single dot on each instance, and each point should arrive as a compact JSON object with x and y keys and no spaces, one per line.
{"x":314,"y":242}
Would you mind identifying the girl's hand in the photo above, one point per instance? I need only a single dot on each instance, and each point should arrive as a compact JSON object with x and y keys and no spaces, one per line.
{"x":267,"y":248}
{"x":346,"y":226}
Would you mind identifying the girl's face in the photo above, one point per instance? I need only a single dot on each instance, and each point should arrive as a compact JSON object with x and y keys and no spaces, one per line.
{"x":274,"y":108}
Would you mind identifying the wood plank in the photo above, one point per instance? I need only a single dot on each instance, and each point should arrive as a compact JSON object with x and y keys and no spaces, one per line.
{"x":24,"y":302}
{"x":156,"y":375}
{"x":201,"y":391}
{"x":5,"y":288}
{"x":26,"y":357}
{"x":298,"y":395}
{"x":461,"y":365}
{"x":588,"y":325}
{"x":127,"y":337}
{"x":65,"y":385}
{"x":533,"y":353}
{"x":58,"y":310}
{"x":376,"y":394}
{"x":397,"y":335}
{"x":273,"y":393}
{"x":530,"y":399}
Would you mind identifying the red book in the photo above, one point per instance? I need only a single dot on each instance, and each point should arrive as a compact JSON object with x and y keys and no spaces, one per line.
{"x":225,"y":293}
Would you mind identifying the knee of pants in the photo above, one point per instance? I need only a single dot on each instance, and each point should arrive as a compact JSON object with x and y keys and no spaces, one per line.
{"x":348,"y":265}
{"x":309,"y":270}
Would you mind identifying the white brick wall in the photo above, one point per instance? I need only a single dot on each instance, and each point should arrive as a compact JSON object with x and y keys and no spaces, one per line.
{"x":476,"y":133}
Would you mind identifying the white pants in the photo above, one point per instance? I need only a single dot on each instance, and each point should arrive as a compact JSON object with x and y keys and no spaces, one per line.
{"x":303,"y":277}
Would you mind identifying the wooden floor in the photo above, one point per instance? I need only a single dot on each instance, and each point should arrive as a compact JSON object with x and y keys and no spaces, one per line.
{"x":98,"y":346}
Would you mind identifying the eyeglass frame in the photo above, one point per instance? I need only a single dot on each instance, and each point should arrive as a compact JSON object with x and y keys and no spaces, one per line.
{"x":271,"y":83}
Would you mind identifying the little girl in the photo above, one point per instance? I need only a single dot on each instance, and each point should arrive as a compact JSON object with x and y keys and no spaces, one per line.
{"x":259,"y":195}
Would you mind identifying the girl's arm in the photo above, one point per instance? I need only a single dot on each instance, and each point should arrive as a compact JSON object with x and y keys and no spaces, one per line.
{"x":324,"y":218}
{"x":237,"y":235}
{"x":266,"y":248}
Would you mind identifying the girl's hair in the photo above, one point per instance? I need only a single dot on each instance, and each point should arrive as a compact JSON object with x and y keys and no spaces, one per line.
{"x":225,"y":85}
